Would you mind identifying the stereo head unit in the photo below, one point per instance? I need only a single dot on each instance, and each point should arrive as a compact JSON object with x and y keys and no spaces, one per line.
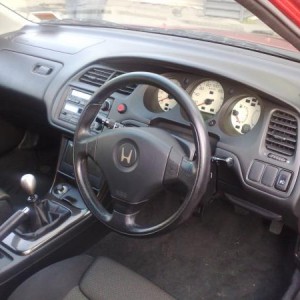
{"x":74,"y":104}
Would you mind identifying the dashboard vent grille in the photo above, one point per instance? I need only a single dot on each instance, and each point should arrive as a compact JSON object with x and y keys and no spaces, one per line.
{"x":282,"y":133}
{"x":98,"y":76}
{"x":126,"y":90}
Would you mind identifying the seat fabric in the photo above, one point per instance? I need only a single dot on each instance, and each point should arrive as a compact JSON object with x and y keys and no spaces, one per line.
{"x":83,"y":277}
{"x":5,"y":208}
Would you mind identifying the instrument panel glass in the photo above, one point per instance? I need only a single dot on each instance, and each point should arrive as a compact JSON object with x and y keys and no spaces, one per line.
{"x":208,"y":96}
{"x":165,"y":101}
{"x":245,"y":114}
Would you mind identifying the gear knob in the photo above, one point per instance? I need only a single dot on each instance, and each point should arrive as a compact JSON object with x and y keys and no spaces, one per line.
{"x":28,"y":183}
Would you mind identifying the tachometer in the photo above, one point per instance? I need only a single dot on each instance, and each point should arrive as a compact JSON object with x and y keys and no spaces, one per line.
{"x":245,"y":114}
{"x":166,"y":101}
{"x":208,"y":96}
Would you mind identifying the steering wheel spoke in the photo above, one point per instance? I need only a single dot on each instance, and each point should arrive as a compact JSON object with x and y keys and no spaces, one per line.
{"x":180,"y":169}
{"x":187,"y":172}
{"x":125,"y":213}
{"x":119,"y":220}
{"x":87,"y":145}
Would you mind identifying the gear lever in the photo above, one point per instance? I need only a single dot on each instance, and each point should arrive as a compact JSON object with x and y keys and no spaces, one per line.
{"x":40,"y":217}
{"x":28,"y":183}
{"x":39,"y":208}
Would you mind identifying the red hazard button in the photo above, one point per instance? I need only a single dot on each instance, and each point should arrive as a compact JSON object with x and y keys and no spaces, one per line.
{"x":122,"y":108}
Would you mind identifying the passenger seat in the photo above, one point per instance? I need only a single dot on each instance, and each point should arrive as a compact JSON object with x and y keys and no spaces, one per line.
{"x":5,"y":207}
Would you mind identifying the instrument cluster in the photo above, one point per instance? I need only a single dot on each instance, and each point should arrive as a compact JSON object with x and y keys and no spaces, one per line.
{"x":237,"y":109}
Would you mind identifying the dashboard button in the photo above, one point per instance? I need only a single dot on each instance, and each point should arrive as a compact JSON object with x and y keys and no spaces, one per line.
{"x":269,"y":176}
{"x":283,"y":180}
{"x":212,"y":123}
{"x":74,"y":99}
{"x":74,"y":120}
{"x":256,"y":171}
{"x":106,"y":105}
{"x":122,"y":108}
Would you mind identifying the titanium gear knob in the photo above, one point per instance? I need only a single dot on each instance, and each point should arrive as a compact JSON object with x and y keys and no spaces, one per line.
{"x":28,"y":183}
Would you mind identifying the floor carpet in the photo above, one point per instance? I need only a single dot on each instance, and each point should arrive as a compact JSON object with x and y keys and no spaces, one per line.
{"x":222,"y":256}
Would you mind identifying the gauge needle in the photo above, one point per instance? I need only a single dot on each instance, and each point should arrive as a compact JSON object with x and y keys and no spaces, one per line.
{"x":206,"y":102}
{"x":164,"y":99}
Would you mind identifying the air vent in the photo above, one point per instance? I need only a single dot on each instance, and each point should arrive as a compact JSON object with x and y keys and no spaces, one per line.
{"x":126,"y":90}
{"x":98,"y":76}
{"x":282,"y":133}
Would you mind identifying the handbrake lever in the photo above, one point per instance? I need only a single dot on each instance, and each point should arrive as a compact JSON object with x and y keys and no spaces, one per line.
{"x":13,"y":222}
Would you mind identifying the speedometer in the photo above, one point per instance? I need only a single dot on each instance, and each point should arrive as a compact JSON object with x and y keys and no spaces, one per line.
{"x":245,"y":114}
{"x":208,"y":96}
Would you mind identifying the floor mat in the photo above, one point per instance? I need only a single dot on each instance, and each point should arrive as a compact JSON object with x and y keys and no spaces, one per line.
{"x":224,"y":256}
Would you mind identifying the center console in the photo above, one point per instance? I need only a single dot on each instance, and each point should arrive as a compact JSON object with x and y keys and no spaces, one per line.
{"x":22,"y":248}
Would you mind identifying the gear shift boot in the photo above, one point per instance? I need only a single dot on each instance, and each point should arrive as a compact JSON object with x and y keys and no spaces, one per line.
{"x":46,"y":216}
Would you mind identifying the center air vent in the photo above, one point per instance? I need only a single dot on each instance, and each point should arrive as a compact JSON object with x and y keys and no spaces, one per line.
{"x":98,"y":76}
{"x":282,"y":133}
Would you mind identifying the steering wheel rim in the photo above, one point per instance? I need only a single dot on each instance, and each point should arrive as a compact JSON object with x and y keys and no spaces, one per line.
{"x":197,"y":171}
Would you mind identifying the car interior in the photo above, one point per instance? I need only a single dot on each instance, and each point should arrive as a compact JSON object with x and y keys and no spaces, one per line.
{"x":141,"y":165}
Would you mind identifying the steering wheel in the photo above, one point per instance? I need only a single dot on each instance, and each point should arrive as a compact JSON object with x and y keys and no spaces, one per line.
{"x":137,"y":162}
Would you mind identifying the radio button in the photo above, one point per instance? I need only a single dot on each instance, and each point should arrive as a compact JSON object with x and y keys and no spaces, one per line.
{"x":74,"y":120}
{"x":82,"y":102}
{"x":74,"y":100}
{"x":64,"y":116}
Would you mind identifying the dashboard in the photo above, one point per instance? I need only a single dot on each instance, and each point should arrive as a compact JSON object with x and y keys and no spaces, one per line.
{"x":239,"y":108}
{"x":250,"y":101}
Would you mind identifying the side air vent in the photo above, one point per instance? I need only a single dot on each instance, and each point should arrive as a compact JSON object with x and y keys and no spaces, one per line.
{"x":98,"y":76}
{"x":282,"y":133}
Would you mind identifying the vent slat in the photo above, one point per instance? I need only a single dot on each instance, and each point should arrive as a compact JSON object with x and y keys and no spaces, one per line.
{"x":280,"y":143}
{"x":126,"y":90}
{"x":281,"y":151}
{"x":286,"y":116}
{"x":278,"y":137}
{"x":98,"y":76}
{"x":279,"y":122}
{"x":282,"y":133}
{"x":279,"y":129}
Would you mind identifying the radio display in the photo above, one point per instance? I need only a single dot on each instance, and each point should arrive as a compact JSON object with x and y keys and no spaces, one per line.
{"x":72,"y":108}
{"x":81,"y":95}
{"x":74,"y":105}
